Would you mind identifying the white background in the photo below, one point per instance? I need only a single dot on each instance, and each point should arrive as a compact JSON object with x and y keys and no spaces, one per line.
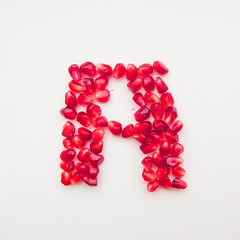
{"x":197,"y":40}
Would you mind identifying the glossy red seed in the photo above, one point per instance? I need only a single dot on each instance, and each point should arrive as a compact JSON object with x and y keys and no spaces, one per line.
{"x":115,"y":128}
{"x":96,"y":158}
{"x":101,"y":82}
{"x":163,"y":172}
{"x":104,"y":69}
{"x":93,"y":111}
{"x":148,"y":147}
{"x":90,"y":181}
{"x":179,"y":183}
{"x":178,"y":172}
{"x":78,"y":142}
{"x":67,"y":155}
{"x":148,"y":83}
{"x":67,"y":143}
{"x":166,"y":99}
{"x":160,"y":85}
{"x":176,"y":150}
{"x":145,"y":69}
{"x":151,"y":187}
{"x":165,"y":182}
{"x":135,"y":84}
{"x":158,"y":159}
{"x":143,"y":127}
{"x":139,"y":99}
{"x":170,"y":115}
{"x":102,"y":96}
{"x":142,"y":114}
{"x":131,"y":72}
{"x":160,"y":67}
{"x":172,"y":138}
{"x":67,"y":166}
{"x":149,"y":176}
{"x":140,"y":137}
{"x":68,"y":130}
{"x":151,"y":98}
{"x":84,"y":134}
{"x":100,"y":122}
{"x":66,"y":178}
{"x":128,"y":131}
{"x":165,"y":148}
{"x":96,"y":147}
{"x":75,"y":72}
{"x":88,"y":86}
{"x":174,"y":161}
{"x":76,"y":178}
{"x":70,"y":99}
{"x":84,"y":155}
{"x":157,"y":111}
{"x":84,"y":119}
{"x":93,"y":170}
{"x":176,"y":126}
{"x":119,"y":71}
{"x":88,"y":68}
{"x":147,"y":163}
{"x":75,"y":87}
{"x":82,"y":169}
{"x":69,"y":113}
{"x":98,"y":134}
{"x":160,"y":125}
{"x":84,"y":99}
{"x":156,"y":136}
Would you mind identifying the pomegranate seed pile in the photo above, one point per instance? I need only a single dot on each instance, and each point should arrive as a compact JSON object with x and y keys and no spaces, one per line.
{"x":158,"y":139}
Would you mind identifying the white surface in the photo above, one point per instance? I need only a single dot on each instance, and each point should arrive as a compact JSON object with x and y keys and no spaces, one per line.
{"x":198,"y":41}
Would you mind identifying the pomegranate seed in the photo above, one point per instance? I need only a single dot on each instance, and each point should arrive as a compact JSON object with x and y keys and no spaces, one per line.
{"x":104,"y":69}
{"x":93,"y":170}
{"x":84,"y":119}
{"x":151,"y":187}
{"x":164,"y":148}
{"x":84,"y":134}
{"x":151,"y":98}
{"x":96,"y":147}
{"x":67,"y":155}
{"x":176,"y":127}
{"x":100,"y":122}
{"x":69,"y":113}
{"x":170,"y":115}
{"x":179,"y":183}
{"x":115,"y":128}
{"x":88,"y":86}
{"x":90,"y":181}
{"x":176,"y":150}
{"x":163,"y":172}
{"x":102,"y":96}
{"x":139,"y":99}
{"x":160,"y":85}
{"x":76,"y":178}
{"x":131,"y":72}
{"x":158,"y":159}
{"x":148,"y":147}
{"x":140,"y":137}
{"x":160,"y":125}
{"x":68,"y":130}
{"x":75,"y":72}
{"x":167,"y":99}
{"x":101,"y":82}
{"x":174,"y":161}
{"x":70,"y":99}
{"x":96,"y":158}
{"x":128,"y":131}
{"x":178,"y":172}
{"x":82,"y":169}
{"x":149,"y":176}
{"x":67,"y":166}
{"x":165,"y":182}
{"x":78,"y":142}
{"x":145,"y":69}
{"x":119,"y":71}
{"x":143,"y":127}
{"x":67,"y":143}
{"x":88,"y":68}
{"x":98,"y":134}
{"x":84,"y":99}
{"x":147,"y":163}
{"x":66,"y":178}
{"x":160,"y":67}
{"x":156,"y":136}
{"x":75,"y":86}
{"x":93,"y":111}
{"x":135,"y":85}
{"x":148,"y":83}
{"x":83,"y":155}
{"x":157,"y":111}
{"x":172,"y":138}
{"x":142,"y":114}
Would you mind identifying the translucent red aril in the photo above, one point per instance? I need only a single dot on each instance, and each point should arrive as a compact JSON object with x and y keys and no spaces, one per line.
{"x":143,"y":127}
{"x":156,"y":136}
{"x":115,"y":128}
{"x":82,"y":169}
{"x":160,"y":67}
{"x":98,"y":134}
{"x":151,"y":98}
{"x":170,"y":115}
{"x":140,"y":137}
{"x":165,"y":148}
{"x":148,"y":147}
{"x":70,"y":99}
{"x":145,"y":69}
{"x":96,"y":147}
{"x":69,"y":113}
{"x":157,"y":111}
{"x":67,"y":166}
{"x":76,"y":178}
{"x":166,"y":99}
{"x":148,"y":83}
{"x":84,"y":155}
{"x":131,"y":72}
{"x":67,"y":143}
{"x":90,"y":181}
{"x":67,"y":155}
{"x":176,"y":150}
{"x":68,"y":130}
{"x":139,"y":99}
{"x":160,"y":125}
{"x":84,"y":134}
{"x":158,"y":159}
{"x":100,"y":122}
{"x":66,"y":178}
{"x":147,"y":163}
{"x":179,"y":183}
{"x":142,"y":114}
{"x":96,"y":158}
{"x":75,"y":86}
{"x":93,"y":170}
{"x":160,"y":85}
{"x":78,"y":142}
{"x":84,"y":119}
{"x":135,"y":84}
{"x":88,"y":68}
{"x":163,"y":171}
{"x":101,"y":82}
{"x":93,"y":111}
{"x":176,"y":126}
{"x":151,"y":187}
{"x":102,"y":96}
{"x":128,"y":131}
{"x":172,"y":138}
{"x":75,"y":72}
{"x":149,"y":176}
{"x":84,"y":99}
{"x":174,"y":161}
{"x":88,"y":86}
{"x":104,"y":69}
{"x":165,"y":182}
{"x":119,"y":71}
{"x":178,"y":172}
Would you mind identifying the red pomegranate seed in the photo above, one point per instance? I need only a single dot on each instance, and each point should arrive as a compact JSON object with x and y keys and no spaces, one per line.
{"x":157,"y":111}
{"x":98,"y":134}
{"x":93,"y":170}
{"x":75,"y":72}
{"x":84,"y":134}
{"x":149,"y":176}
{"x":67,"y":166}
{"x":84,"y":155}
{"x":67,"y":155}
{"x":84,"y":99}
{"x":93,"y":111}
{"x":100,"y":122}
{"x":176,"y":126}
{"x":163,"y":172}
{"x":156,"y":136}
{"x":160,"y":85}
{"x":68,"y":130}
{"x":151,"y":187}
{"x":67,"y":143}
{"x":176,"y":150}
{"x":147,"y":163}
{"x":179,"y":183}
{"x":101,"y":82}
{"x":102,"y":96}
{"x":166,"y":99}
{"x":119,"y":71}
{"x":148,"y":83}
{"x":142,"y":114}
{"x":104,"y":69}
{"x":170,"y":115}
{"x":69,"y":113}
{"x":148,"y":147}
{"x":128,"y":131}
{"x":78,"y":142}
{"x":135,"y":84}
{"x":70,"y":99}
{"x":88,"y":68}
{"x":96,"y":147}
{"x":164,"y":148}
{"x":66,"y":178}
{"x":165,"y":182}
{"x":75,"y":86}
{"x":139,"y":99}
{"x":151,"y":98}
{"x":160,"y":125}
{"x":140,"y":137}
{"x":160,"y":67}
{"x":143,"y":127}
{"x":131,"y":72}
{"x":174,"y":161}
{"x":88,"y":86}
{"x":172,"y":138}
{"x":145,"y":69}
{"x":82,"y":169}
{"x":158,"y":159}
{"x":178,"y":172}
{"x":84,"y":119}
{"x":96,"y":158}
{"x":76,"y":178}
{"x":90,"y":181}
{"x":115,"y":128}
